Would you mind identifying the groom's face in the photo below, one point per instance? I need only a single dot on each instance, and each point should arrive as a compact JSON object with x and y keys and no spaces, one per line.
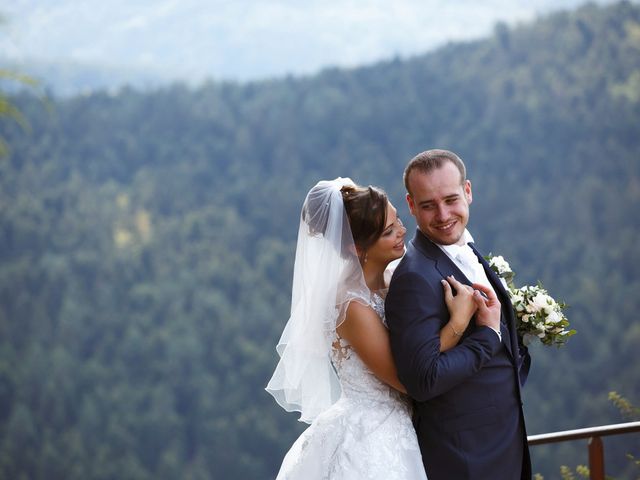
{"x":440,"y":203}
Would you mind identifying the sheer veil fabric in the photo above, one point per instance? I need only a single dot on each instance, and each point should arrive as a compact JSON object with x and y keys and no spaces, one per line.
{"x":327,"y":276}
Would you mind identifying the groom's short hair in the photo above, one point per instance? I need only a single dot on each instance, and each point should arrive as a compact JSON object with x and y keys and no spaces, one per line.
{"x":429,"y":160}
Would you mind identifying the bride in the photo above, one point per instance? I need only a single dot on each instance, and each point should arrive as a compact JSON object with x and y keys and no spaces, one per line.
{"x":335,"y":364}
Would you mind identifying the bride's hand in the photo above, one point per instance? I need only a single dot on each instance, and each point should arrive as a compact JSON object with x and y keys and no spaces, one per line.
{"x":462,"y":306}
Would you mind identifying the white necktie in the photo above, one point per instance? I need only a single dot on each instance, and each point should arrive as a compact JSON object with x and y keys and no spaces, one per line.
{"x":470,"y":265}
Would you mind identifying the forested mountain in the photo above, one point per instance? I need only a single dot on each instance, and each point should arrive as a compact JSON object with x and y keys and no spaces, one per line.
{"x":147,"y":241}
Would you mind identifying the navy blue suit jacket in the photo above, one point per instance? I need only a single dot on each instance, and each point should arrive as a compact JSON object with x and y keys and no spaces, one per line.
{"x":467,"y":400}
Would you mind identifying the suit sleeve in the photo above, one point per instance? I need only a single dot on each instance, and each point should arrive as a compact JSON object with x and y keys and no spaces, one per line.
{"x":416,"y":311}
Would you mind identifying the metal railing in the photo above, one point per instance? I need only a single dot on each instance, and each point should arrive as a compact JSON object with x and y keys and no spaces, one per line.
{"x":594,"y":434}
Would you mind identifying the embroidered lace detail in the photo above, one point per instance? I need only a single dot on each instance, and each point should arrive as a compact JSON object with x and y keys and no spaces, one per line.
{"x":367,"y":434}
{"x":377,"y":302}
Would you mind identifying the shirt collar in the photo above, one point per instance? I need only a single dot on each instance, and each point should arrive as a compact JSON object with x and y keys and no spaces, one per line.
{"x":452,"y":250}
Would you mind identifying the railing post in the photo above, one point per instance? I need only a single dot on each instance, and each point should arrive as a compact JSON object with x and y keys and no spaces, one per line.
{"x":596,"y":459}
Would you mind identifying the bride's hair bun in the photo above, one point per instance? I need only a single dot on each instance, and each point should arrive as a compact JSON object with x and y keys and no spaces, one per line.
{"x":366,"y":209}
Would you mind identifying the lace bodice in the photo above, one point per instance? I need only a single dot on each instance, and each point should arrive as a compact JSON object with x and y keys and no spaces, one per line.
{"x":355,"y":377}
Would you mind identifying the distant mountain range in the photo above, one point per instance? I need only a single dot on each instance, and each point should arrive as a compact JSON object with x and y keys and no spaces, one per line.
{"x":76,"y":47}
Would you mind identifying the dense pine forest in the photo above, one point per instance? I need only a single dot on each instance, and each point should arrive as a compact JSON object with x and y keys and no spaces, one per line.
{"x":147,"y":241}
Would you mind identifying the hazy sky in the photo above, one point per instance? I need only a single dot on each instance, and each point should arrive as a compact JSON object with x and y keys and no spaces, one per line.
{"x":248,"y":39}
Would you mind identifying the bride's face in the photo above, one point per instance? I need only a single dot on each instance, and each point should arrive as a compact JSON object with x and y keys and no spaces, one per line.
{"x":390,"y":245}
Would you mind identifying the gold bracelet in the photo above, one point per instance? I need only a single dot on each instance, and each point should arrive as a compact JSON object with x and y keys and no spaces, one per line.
{"x":454,"y":331}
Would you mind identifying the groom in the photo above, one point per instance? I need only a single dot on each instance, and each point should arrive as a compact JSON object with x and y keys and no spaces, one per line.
{"x":467,"y":400}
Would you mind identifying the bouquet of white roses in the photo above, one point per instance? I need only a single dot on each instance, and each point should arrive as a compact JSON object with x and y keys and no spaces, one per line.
{"x":538,"y":315}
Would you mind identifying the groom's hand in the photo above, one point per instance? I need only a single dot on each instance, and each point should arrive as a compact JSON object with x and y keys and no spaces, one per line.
{"x":488,"y":313}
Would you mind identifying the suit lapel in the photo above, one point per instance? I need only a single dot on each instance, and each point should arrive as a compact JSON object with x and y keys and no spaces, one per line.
{"x":507,"y":307}
{"x":443,"y":263}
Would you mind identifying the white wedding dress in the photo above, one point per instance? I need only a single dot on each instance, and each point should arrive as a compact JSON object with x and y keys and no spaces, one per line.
{"x":367,"y":434}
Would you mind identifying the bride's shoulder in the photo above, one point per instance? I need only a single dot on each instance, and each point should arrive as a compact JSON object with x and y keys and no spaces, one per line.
{"x":360,"y":311}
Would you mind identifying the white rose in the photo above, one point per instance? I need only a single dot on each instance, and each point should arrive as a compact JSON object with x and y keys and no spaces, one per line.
{"x":553,"y":317}
{"x":552,"y":306}
{"x":501,"y":264}
{"x":540,"y":302}
{"x":516,"y":298}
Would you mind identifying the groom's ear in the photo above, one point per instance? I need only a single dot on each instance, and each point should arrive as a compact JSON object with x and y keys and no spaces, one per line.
{"x":411,"y":204}
{"x":467,"y":191}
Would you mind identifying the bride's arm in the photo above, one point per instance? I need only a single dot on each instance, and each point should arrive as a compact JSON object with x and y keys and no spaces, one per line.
{"x":367,"y":335}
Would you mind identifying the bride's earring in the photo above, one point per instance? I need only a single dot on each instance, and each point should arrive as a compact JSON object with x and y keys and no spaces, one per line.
{"x":362,"y":256}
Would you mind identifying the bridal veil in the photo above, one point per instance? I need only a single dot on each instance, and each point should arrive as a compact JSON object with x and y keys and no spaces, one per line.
{"x":327,"y":276}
